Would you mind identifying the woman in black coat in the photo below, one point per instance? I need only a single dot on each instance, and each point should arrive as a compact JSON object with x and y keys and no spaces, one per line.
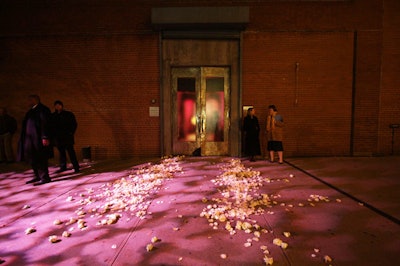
{"x":251,"y":129}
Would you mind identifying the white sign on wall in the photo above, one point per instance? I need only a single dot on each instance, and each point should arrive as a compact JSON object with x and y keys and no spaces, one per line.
{"x":154,"y":111}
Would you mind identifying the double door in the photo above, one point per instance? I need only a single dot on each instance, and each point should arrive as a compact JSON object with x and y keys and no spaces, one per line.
{"x":200,"y":121}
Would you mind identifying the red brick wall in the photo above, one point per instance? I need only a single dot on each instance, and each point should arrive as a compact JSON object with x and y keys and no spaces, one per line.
{"x":325,"y":18}
{"x":390,"y":85}
{"x":107,"y":81}
{"x":367,"y":90}
{"x":317,"y":111}
{"x":315,"y":15}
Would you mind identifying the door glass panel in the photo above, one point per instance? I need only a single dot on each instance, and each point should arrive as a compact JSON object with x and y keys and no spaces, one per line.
{"x":215,"y":109}
{"x":186,"y":104}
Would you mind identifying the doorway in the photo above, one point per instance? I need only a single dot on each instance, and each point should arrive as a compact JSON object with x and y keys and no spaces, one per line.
{"x":200,"y":97}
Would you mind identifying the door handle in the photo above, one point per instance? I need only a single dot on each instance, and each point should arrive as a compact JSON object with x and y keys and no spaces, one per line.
{"x":199,"y":124}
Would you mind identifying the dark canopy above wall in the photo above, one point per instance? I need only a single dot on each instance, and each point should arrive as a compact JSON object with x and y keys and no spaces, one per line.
{"x":195,"y":18}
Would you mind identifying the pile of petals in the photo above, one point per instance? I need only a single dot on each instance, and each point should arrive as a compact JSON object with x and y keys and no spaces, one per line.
{"x":108,"y":202}
{"x":132,"y":194}
{"x":239,"y":188}
{"x":240,"y":198}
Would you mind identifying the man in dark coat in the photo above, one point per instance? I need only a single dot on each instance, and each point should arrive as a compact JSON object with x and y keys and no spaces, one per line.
{"x":34,"y":144}
{"x":63,"y":127}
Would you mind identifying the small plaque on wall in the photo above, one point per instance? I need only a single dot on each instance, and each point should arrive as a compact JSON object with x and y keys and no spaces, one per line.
{"x":154,"y":111}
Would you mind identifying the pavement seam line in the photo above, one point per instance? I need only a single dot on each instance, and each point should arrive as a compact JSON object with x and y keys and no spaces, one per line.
{"x":366,"y":204}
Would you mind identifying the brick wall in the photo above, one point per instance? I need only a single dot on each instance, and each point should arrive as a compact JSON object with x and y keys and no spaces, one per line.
{"x":390,"y":85}
{"x":109,"y":82}
{"x":367,"y":90}
{"x":317,"y":107}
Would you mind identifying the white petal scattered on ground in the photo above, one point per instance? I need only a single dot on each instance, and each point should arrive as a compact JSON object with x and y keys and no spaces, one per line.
{"x":30,"y":230}
{"x":54,"y":239}
{"x":66,"y":234}
{"x":155,"y":239}
{"x":57,"y":222}
{"x":247,"y":244}
{"x":81,"y":213}
{"x":81,"y":224}
{"x":113,"y":218}
{"x":268,"y":260}
{"x":318,"y":198}
{"x":280,"y":243}
{"x":284,"y":245}
{"x":277,"y":242}
{"x":149,"y":247}
{"x":71,"y":221}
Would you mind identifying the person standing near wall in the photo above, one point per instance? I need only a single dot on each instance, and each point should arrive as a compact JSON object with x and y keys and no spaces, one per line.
{"x":34,"y":142}
{"x":64,"y":126}
{"x":274,"y":134}
{"x":251,"y":129}
{"x":8,"y":126}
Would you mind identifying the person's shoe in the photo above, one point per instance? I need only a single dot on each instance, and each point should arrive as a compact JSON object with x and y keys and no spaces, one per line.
{"x":42,"y":182}
{"x":32,"y":180}
{"x":76,"y":171}
{"x":61,"y":170}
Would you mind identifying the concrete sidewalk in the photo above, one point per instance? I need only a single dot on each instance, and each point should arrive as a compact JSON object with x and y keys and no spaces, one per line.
{"x":344,"y":209}
{"x":374,"y":181}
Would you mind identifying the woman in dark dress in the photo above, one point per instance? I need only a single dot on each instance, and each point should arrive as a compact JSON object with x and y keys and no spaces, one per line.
{"x":251,"y":129}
